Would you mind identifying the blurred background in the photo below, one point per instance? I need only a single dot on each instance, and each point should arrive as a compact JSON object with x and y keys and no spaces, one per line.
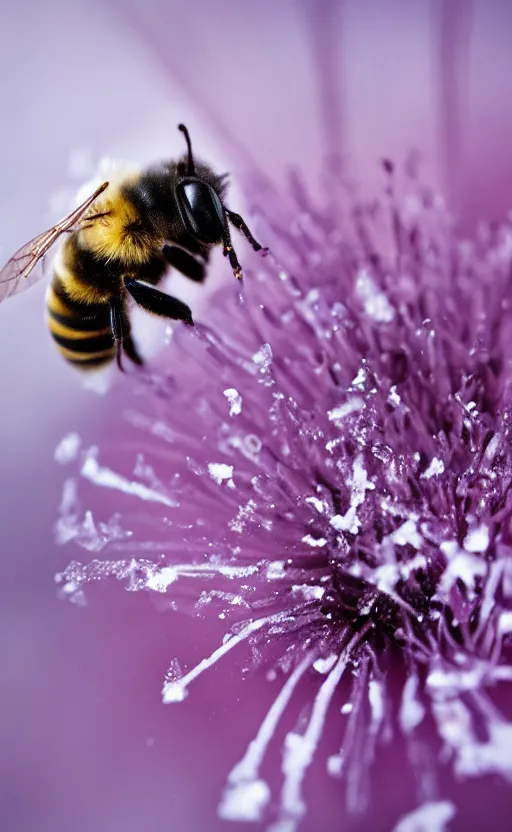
{"x":84,"y":741}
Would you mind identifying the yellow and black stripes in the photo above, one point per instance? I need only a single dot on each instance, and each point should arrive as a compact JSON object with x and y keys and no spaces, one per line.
{"x":81,"y":331}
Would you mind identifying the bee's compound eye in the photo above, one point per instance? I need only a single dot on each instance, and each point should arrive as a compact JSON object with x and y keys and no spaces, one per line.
{"x":201,"y":210}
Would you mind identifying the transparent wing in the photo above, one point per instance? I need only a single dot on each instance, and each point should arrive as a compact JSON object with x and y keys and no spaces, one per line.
{"x":25,"y":267}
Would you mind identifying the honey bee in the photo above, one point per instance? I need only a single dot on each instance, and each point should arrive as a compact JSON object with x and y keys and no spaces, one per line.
{"x":120,"y":243}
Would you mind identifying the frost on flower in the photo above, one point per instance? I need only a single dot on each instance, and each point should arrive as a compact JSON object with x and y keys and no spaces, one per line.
{"x":326,"y":461}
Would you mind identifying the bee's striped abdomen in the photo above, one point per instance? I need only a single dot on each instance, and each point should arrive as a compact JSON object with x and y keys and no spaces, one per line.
{"x":81,"y":331}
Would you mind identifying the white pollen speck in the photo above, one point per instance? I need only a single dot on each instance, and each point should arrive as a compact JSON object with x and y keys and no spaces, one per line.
{"x":276,"y":570}
{"x":477,"y":540}
{"x":332,"y":444}
{"x":352,"y":406}
{"x":316,"y":503}
{"x":430,"y":817}
{"x":407,"y":533}
{"x":386,"y":577}
{"x":309,"y":593}
{"x":317,"y":542}
{"x":235,"y":401}
{"x":461,"y":564}
{"x":161,"y":580}
{"x":69,"y":587}
{"x":505,"y":622}
{"x":360,"y":379}
{"x":347,"y":708}
{"x":67,"y":449}
{"x":335,"y":765}
{"x":219,"y":471}
{"x":244,"y":515}
{"x":347,"y":522}
{"x":359,"y":484}
{"x":245,"y":801}
{"x":174,"y":692}
{"x":263,"y":358}
{"x":435,"y":468}
{"x":325,"y":664}
{"x":393,"y":397}
{"x":376,"y":304}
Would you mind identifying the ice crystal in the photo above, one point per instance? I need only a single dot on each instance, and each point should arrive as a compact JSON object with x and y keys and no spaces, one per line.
{"x":327,"y":460}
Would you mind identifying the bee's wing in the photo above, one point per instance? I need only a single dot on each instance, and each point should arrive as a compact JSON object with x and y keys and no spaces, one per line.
{"x":25,"y":267}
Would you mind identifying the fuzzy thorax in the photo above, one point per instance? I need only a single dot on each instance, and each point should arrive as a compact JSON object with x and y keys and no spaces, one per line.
{"x":112,"y":229}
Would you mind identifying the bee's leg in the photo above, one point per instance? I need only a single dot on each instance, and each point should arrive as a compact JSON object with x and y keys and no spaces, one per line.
{"x":240,"y":223}
{"x":156,"y":302}
{"x":116,"y":324}
{"x":229,"y":252}
{"x":186,"y":263}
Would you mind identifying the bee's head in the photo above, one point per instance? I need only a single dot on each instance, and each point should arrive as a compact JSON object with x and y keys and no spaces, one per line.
{"x":200,"y":205}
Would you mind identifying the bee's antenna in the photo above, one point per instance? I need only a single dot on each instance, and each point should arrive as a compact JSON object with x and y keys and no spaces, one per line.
{"x":191,"y":166}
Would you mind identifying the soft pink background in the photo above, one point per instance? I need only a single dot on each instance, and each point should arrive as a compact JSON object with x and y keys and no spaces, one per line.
{"x":84,"y":742}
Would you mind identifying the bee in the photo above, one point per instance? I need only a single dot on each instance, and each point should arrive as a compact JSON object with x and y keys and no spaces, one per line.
{"x":119,"y":244}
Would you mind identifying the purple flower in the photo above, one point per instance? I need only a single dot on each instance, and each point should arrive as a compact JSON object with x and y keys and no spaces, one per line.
{"x":326,"y":464}
{"x":311,"y":490}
